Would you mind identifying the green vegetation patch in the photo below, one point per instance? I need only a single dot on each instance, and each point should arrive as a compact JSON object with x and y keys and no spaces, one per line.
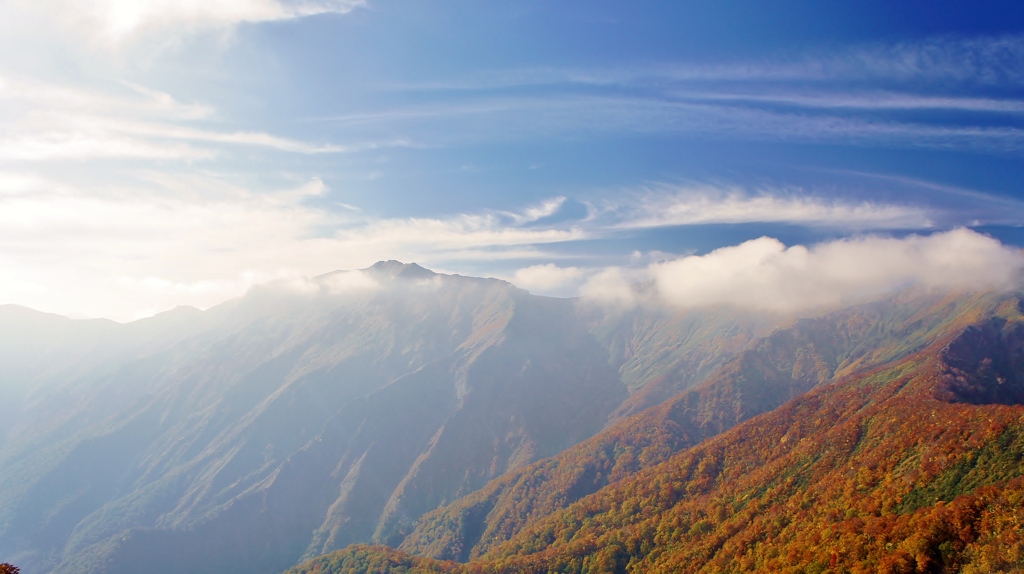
{"x":998,"y":461}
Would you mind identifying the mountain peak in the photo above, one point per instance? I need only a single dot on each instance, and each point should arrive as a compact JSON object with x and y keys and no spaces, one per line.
{"x":394,"y":269}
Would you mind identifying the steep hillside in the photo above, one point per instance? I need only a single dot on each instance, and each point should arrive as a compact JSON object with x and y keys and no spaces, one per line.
{"x":890,"y":470}
{"x":305,"y":417}
{"x":52,"y":386}
{"x":662,"y":352}
{"x":771,"y":371}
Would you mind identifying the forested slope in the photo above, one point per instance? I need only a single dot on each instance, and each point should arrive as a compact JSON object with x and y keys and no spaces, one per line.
{"x":913,"y":466}
{"x":771,"y":371}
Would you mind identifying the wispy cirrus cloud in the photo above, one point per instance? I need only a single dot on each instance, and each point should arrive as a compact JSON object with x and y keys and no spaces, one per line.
{"x":537,"y":212}
{"x":952,"y":205}
{"x":451,"y":236}
{"x":47,"y":122}
{"x":665,"y":206}
{"x":984,"y":60}
{"x":863,"y":95}
{"x":977,"y":60}
{"x":49,"y":145}
{"x":502,"y":118}
{"x":854,"y":100}
{"x":133,"y":99}
{"x":989,"y":60}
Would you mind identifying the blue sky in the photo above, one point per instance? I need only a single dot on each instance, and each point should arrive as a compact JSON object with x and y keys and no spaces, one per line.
{"x":159,"y":152}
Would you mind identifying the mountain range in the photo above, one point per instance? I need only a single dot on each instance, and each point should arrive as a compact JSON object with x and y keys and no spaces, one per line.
{"x":476,"y":427}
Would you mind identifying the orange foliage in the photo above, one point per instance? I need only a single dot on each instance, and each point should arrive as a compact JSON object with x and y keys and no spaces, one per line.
{"x":871,"y":474}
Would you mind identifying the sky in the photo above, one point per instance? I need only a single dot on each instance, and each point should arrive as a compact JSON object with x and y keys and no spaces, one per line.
{"x":156,"y":153}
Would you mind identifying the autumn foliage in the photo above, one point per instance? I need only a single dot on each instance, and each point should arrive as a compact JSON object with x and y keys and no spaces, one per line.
{"x":888,"y":470}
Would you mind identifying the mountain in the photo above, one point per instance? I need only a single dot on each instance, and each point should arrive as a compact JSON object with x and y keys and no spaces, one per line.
{"x":310,"y":415}
{"x":914,"y":465}
{"x":772,"y":370}
{"x":41,"y":350}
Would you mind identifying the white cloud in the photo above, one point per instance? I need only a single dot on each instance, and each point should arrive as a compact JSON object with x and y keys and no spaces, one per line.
{"x":43,"y":122}
{"x":114,"y":22}
{"x":537,"y":212}
{"x":458,"y":233}
{"x":612,"y":287}
{"x":764,"y":274}
{"x":347,"y":282}
{"x":16,"y":183}
{"x":92,"y":145}
{"x":261,"y":139}
{"x":198,"y":240}
{"x":139,"y":100}
{"x":548,"y":279}
{"x":666,"y":206}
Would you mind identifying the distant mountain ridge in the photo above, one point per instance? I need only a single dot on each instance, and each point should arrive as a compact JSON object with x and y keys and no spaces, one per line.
{"x":305,"y":417}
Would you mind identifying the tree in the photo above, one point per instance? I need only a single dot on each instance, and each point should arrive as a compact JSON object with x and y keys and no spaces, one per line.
{"x":7,"y":568}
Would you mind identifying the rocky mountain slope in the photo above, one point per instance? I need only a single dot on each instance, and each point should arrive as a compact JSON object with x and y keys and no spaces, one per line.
{"x":915,"y":465}
{"x":772,"y":370}
{"x":311,"y":415}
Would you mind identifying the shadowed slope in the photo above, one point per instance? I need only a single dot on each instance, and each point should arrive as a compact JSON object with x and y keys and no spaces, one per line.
{"x":985,"y":365}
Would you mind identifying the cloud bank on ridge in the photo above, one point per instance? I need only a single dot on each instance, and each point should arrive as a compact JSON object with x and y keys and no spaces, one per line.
{"x":763,"y":274}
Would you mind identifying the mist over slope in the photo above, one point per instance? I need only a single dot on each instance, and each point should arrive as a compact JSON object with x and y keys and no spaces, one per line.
{"x":309,"y":415}
{"x":789,"y":361}
{"x":914,"y":466}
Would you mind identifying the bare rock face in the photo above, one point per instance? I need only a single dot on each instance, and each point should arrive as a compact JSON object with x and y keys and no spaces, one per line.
{"x":984,"y":364}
